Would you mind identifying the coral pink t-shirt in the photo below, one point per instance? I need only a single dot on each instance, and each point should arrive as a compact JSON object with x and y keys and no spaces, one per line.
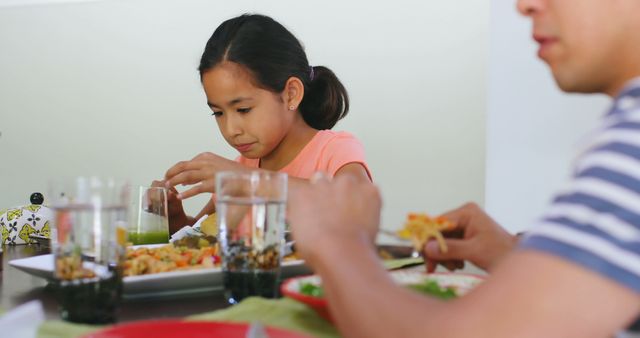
{"x":328,"y":151}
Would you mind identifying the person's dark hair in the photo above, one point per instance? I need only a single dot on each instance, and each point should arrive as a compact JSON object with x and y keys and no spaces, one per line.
{"x":272,"y":55}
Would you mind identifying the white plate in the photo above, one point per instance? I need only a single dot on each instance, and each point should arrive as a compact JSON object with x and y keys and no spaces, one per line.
{"x":158,"y":284}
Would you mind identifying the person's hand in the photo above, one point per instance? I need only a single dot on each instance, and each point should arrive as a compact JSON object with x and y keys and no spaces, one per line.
{"x":177,"y":217}
{"x":324,"y":214}
{"x":482,"y":241}
{"x":200,"y":172}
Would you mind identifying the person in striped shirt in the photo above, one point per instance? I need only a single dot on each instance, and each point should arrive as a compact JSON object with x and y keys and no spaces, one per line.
{"x":576,"y":274}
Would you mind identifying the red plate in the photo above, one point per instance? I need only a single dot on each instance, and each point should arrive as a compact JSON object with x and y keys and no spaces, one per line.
{"x":175,"y":328}
{"x":461,"y":281}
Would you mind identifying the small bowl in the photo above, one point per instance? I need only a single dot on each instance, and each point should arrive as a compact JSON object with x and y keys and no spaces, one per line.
{"x":462,"y":282}
{"x":291,"y":288}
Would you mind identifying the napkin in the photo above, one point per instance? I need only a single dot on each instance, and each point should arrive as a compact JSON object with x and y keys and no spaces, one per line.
{"x":22,"y":321}
{"x":189,"y":230}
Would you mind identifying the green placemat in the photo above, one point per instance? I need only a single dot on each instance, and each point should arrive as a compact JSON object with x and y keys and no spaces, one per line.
{"x":283,"y":313}
{"x":62,"y":329}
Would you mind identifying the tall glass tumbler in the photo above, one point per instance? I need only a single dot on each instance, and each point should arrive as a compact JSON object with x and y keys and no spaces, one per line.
{"x":88,"y":244}
{"x":251,"y":219}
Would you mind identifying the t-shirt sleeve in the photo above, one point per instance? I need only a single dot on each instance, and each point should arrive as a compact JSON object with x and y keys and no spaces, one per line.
{"x":595,"y":221}
{"x":343,"y":150}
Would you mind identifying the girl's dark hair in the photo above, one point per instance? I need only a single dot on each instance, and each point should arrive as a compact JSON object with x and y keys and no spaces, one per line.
{"x":272,"y":55}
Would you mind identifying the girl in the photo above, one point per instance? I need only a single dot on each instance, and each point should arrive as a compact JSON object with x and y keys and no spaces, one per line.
{"x":270,"y":105}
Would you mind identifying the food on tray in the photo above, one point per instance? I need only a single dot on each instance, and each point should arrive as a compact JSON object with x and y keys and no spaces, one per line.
{"x":142,"y":261}
{"x":194,"y":252}
{"x":70,"y":267}
{"x":196,"y":242}
{"x":241,"y":257}
{"x":420,"y":227}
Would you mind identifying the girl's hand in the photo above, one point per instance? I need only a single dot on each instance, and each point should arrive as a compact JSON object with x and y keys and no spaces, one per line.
{"x":177,"y":217}
{"x":201,"y":172}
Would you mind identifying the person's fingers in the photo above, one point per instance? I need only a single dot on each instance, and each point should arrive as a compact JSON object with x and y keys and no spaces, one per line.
{"x":175,"y":169}
{"x":172,"y":194}
{"x":461,"y":216}
{"x":171,"y":190}
{"x":457,"y":249}
{"x":187,"y":177}
{"x":450,"y":265}
{"x":205,"y":156}
{"x":196,"y":190}
{"x":454,"y":233}
{"x":183,"y":166}
{"x":431,"y":265}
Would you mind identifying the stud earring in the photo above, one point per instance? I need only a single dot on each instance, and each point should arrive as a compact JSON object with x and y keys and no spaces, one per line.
{"x":292,"y":108}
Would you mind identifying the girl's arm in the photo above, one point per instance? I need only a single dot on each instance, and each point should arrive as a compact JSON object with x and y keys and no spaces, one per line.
{"x":177,"y":223}
{"x":200,"y":173}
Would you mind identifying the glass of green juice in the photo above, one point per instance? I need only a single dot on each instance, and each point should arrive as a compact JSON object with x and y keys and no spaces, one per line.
{"x":148,"y":222}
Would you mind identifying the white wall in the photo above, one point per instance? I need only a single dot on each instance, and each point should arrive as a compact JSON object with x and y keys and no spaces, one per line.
{"x":533,"y":129}
{"x":111,"y":88}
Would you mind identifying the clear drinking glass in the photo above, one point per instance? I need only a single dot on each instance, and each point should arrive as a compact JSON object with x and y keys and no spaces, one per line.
{"x":148,"y":221}
{"x":251,"y":218}
{"x":88,"y":244}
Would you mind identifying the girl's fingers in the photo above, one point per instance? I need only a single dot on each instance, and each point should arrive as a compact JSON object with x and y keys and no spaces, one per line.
{"x":196,"y":190}
{"x":186,"y":178}
{"x":183,"y":166}
{"x":176,"y":169}
{"x":207,"y":156}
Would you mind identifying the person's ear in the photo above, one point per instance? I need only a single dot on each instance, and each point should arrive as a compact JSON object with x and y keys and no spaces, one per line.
{"x":293,"y":93}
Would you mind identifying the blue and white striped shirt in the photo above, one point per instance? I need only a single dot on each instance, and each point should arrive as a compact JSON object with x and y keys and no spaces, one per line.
{"x":595,"y":222}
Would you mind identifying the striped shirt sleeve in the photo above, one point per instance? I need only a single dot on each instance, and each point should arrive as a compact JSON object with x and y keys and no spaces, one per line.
{"x":595,"y":222}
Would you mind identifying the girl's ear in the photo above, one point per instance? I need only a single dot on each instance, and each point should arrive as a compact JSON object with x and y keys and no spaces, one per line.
{"x":293,"y":93}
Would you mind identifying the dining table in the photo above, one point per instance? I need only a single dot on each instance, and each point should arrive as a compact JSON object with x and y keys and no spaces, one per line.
{"x":17,"y":287}
{"x":191,"y":308}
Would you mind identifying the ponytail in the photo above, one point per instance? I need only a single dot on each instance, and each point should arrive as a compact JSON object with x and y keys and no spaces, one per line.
{"x":325,"y":99}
